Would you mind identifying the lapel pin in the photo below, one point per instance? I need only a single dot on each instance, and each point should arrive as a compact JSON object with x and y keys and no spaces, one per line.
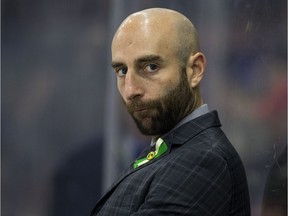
{"x":161,"y":148}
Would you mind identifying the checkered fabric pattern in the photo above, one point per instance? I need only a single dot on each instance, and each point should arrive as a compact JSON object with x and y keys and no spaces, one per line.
{"x":201,"y":174}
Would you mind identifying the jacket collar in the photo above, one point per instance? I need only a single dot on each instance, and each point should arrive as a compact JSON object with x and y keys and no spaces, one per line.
{"x":190,"y":129}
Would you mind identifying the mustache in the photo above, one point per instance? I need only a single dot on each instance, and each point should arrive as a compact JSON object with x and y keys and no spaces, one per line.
{"x":137,"y":104}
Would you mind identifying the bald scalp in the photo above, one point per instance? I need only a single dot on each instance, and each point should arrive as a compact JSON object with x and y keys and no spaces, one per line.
{"x":183,"y":36}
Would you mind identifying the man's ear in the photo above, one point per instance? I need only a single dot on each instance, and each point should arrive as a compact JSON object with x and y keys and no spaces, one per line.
{"x":195,"y":68}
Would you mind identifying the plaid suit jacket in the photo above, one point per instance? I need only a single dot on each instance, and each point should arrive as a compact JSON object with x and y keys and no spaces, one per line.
{"x":200,"y":174}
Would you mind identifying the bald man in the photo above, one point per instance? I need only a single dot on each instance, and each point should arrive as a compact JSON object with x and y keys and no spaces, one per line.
{"x":190,"y":167}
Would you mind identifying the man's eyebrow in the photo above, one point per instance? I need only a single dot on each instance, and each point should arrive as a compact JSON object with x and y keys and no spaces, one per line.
{"x":143,"y":59}
{"x":116,"y":64}
{"x":149,"y":58}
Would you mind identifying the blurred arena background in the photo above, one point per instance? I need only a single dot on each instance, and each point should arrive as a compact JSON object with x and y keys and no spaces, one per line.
{"x":65,"y":135}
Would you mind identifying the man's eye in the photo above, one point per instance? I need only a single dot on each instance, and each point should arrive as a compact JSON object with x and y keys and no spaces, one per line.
{"x":121,"y":72}
{"x":150,"y":68}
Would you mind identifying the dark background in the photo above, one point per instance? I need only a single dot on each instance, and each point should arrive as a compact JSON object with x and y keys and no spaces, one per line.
{"x":65,"y":135}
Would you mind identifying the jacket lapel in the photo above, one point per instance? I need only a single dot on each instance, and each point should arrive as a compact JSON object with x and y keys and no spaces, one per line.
{"x":177,"y":137}
{"x":121,"y":177}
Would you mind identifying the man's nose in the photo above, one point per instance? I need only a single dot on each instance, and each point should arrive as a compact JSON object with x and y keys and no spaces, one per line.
{"x":133,"y":86}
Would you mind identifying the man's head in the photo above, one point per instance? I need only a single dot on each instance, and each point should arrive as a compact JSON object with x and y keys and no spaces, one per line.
{"x":155,"y":54}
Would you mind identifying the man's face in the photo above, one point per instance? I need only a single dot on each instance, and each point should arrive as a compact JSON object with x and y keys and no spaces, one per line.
{"x":150,"y":80}
{"x":161,"y":114}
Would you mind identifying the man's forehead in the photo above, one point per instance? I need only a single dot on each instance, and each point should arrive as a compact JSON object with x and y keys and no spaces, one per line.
{"x":144,"y":36}
{"x":142,"y":47}
{"x":138,"y":28}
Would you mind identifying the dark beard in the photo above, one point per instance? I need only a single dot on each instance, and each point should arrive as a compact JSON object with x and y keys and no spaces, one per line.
{"x":161,"y":115}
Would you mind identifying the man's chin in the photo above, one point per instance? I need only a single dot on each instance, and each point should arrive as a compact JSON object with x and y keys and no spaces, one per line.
{"x":143,"y":122}
{"x":145,"y":125}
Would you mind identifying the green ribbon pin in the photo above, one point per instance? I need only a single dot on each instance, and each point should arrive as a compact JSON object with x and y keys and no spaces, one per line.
{"x":161,"y":148}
